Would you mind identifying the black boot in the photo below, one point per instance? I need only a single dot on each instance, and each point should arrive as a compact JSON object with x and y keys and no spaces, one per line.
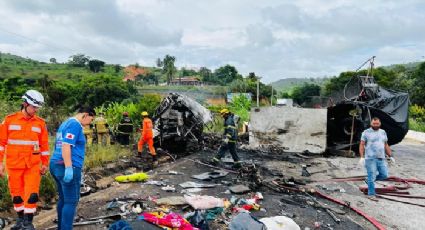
{"x":19,"y":221}
{"x":28,"y":222}
{"x":154,"y":161}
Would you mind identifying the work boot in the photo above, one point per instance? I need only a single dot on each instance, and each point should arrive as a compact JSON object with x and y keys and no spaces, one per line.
{"x":237,"y":165}
{"x":19,"y":223}
{"x":28,"y":222}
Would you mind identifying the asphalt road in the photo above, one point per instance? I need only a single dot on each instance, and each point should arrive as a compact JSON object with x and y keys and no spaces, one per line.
{"x":410,"y":162}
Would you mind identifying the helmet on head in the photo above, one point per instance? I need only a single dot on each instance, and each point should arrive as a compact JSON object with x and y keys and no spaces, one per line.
{"x":34,"y":98}
{"x":224,"y":111}
{"x":125,"y":113}
{"x":145,"y":114}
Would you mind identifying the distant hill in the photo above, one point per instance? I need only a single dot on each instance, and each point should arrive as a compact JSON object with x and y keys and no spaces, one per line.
{"x":12,"y":66}
{"x":288,"y":84}
{"x":408,"y":66}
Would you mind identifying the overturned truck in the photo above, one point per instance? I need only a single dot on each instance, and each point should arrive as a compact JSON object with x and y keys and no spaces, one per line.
{"x":363,"y":100}
{"x":179,"y":123}
{"x":337,"y":127}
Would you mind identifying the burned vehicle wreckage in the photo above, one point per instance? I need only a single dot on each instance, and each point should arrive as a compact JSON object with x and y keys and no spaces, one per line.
{"x":363,"y":100}
{"x":179,"y":123}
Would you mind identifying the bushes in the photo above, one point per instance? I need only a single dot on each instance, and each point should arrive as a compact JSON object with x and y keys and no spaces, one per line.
{"x":5,"y":199}
{"x":416,"y":125}
{"x":417,"y":112}
{"x":241,"y":106}
{"x":113,"y":112}
{"x":417,"y":118}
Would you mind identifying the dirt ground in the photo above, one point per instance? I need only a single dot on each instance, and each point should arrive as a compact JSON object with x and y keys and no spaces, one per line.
{"x":393,"y":215}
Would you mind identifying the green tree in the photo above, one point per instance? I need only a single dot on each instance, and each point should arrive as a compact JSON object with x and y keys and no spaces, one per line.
{"x":304,"y":93}
{"x":418,"y":92}
{"x":159,"y":63}
{"x":98,"y":90}
{"x":239,"y":86}
{"x":96,"y":65}
{"x":117,"y":68}
{"x":168,"y":68}
{"x":205,"y":74}
{"x":284,"y":94}
{"x":226,"y":74}
{"x":79,"y":60}
{"x":53,"y":60}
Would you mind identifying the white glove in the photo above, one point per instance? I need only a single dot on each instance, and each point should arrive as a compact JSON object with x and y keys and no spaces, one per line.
{"x":361,"y":162}
{"x":226,"y":140}
{"x":392,"y":160}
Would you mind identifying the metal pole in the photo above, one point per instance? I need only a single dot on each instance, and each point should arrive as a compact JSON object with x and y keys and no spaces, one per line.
{"x":258,"y":93}
{"x":271,"y":99}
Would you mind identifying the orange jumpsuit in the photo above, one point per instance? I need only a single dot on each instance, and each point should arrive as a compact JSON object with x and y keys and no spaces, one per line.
{"x":25,"y":144}
{"x":147,"y":136}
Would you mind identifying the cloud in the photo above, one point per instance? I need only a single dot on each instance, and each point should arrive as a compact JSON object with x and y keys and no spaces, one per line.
{"x":275,"y":39}
{"x":100,"y":18}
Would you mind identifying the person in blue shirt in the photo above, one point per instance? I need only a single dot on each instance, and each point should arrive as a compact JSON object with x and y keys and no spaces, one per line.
{"x":373,"y":146}
{"x":66,"y":164}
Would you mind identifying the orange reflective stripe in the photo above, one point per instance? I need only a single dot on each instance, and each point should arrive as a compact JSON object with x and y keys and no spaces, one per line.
{"x":1,"y":148}
{"x":21,"y":142}
{"x":45,"y":153}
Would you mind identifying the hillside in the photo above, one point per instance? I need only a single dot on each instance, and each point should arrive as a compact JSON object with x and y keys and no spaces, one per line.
{"x":288,"y":83}
{"x":12,"y":66}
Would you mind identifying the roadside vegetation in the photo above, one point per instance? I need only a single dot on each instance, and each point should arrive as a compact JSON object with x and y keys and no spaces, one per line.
{"x":417,"y":118}
{"x":83,"y":80}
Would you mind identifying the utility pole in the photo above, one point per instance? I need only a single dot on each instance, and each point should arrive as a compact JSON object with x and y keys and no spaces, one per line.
{"x":271,"y":98}
{"x":258,"y":92}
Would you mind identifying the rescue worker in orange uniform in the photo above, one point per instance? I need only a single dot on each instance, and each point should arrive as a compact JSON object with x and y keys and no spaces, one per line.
{"x":24,"y":141}
{"x":147,"y":136}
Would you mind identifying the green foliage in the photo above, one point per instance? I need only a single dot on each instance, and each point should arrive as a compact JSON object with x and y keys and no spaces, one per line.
{"x":98,"y":90}
{"x":241,"y":106}
{"x":168,"y":67}
{"x":418,"y":92}
{"x":100,"y":155}
{"x":79,"y":60}
{"x":5,"y":199}
{"x":47,"y":188}
{"x":7,"y":107}
{"x":287,"y":84}
{"x":304,"y":93}
{"x":417,"y":112}
{"x":225,"y":74}
{"x":416,"y":125}
{"x":95,"y":65}
{"x":284,"y":95}
{"x":113,"y":112}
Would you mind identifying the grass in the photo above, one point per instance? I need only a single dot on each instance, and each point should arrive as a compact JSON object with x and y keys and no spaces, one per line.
{"x":99,"y":155}
{"x":416,"y":125}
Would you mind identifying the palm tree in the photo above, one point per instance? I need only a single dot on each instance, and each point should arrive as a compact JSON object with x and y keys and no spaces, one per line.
{"x":168,"y":67}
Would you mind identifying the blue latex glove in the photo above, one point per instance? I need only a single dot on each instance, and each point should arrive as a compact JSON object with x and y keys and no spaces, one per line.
{"x":69,"y":174}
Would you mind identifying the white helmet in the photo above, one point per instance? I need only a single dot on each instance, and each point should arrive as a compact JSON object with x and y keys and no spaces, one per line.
{"x":34,"y":98}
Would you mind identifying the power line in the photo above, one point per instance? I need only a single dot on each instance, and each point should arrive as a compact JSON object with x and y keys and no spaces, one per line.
{"x":36,"y":41}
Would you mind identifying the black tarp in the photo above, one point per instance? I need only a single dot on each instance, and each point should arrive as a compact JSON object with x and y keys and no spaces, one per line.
{"x":390,"y":106}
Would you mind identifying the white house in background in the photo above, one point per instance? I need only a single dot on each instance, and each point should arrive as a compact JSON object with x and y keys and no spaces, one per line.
{"x":285,"y":102}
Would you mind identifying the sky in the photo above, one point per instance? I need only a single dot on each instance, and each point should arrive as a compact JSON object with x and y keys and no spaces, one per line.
{"x":274,"y":38}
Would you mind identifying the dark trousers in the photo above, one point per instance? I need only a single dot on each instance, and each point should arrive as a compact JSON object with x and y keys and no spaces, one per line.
{"x":231,"y":146}
{"x":123,"y":139}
